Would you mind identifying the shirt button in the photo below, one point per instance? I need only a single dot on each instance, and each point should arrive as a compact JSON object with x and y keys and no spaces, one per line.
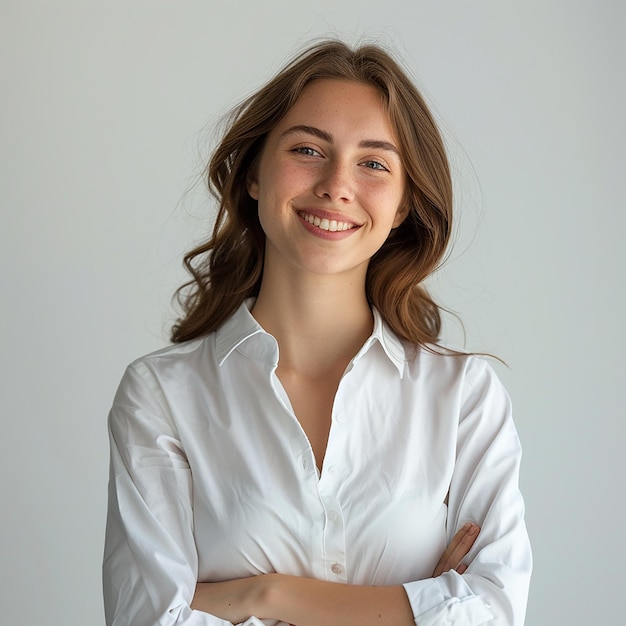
{"x":339,"y":418}
{"x":333,"y":516}
{"x":336,"y":569}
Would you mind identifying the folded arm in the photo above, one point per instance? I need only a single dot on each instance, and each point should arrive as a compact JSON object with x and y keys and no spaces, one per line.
{"x":309,"y":602}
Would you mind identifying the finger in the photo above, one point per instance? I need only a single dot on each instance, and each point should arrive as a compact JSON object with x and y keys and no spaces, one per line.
{"x":461,"y":569}
{"x":444,"y":562}
{"x":457,"y":549}
{"x":456,"y":540}
{"x":463,"y":546}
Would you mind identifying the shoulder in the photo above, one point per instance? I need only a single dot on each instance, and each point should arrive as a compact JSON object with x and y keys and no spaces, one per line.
{"x":177,"y":357}
{"x":444,"y":367}
{"x":469,"y":377}
{"x":153,"y":375}
{"x":452,"y":363}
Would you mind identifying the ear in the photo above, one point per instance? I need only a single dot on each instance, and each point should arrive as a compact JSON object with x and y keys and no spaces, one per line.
{"x":401,"y":214}
{"x":252,"y":182}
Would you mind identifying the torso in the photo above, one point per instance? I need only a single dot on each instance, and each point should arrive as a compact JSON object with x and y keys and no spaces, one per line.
{"x":242,"y":470}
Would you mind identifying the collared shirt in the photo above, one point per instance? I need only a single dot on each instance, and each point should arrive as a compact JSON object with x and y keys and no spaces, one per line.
{"x":213,"y":478}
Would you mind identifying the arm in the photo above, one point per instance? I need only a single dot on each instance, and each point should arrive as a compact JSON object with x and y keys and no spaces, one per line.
{"x":305,"y":601}
{"x":150,"y":562}
{"x":309,"y":602}
{"x":484,"y":488}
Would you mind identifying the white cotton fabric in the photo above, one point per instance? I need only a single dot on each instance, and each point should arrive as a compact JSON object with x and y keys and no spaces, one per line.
{"x":213,"y":478}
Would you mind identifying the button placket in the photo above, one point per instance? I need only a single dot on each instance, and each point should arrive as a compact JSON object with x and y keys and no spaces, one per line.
{"x":334,"y":537}
{"x":334,"y":468}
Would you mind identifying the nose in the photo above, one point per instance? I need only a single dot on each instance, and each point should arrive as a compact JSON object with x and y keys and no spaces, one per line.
{"x":335,"y":182}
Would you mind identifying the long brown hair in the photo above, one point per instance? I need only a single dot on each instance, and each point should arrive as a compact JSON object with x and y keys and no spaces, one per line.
{"x":228,"y":268}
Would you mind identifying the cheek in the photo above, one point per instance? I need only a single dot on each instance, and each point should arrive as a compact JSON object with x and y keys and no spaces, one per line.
{"x":271,"y":177}
{"x":293,"y":177}
{"x":386,"y":202}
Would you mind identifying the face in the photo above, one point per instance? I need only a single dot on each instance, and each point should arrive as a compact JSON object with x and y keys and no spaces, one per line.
{"x":330,"y":181}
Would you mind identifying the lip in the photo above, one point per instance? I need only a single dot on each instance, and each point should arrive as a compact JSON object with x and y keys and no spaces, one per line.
{"x":330,"y":216}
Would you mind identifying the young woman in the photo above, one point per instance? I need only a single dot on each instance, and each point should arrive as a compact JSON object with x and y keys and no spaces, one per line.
{"x":305,"y":453}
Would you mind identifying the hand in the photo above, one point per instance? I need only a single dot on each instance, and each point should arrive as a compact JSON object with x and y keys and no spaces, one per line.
{"x":232,"y":600}
{"x":457,"y":550}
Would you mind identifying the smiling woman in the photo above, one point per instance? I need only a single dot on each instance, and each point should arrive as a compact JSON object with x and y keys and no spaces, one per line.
{"x":306,"y":453}
{"x":228,"y":268}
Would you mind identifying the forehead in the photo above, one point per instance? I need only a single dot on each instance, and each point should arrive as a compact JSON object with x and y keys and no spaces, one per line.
{"x":341,"y":105}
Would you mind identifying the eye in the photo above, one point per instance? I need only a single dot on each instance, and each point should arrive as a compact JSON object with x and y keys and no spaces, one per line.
{"x":375,"y":165}
{"x":306,"y":151}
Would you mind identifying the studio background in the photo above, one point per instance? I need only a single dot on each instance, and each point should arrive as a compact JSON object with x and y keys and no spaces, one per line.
{"x":106,"y":113}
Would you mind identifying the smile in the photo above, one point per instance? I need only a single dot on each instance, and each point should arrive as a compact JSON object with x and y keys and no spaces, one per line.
{"x":326,"y":224}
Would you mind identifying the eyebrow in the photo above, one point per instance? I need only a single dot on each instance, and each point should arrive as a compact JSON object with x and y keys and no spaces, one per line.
{"x":373,"y":144}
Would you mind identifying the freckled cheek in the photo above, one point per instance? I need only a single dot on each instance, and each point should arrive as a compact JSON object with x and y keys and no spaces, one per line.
{"x":298,"y":175}
{"x":289,"y":179}
{"x":380,"y":197}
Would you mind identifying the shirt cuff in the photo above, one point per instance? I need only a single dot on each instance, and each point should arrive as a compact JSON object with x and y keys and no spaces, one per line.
{"x":190,"y":617}
{"x":446,"y":600}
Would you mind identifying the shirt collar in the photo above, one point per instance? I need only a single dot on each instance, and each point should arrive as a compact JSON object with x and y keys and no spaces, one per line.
{"x":388,"y":340}
{"x":235,"y":333}
{"x":238,"y":329}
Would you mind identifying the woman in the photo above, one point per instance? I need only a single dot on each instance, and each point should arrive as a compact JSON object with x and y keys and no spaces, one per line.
{"x":306,"y":453}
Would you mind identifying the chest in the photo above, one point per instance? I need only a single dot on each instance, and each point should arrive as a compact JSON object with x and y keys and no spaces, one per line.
{"x":374,"y":514}
{"x":311,"y":403}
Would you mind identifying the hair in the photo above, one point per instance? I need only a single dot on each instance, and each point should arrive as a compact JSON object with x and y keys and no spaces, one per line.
{"x":228,"y":268}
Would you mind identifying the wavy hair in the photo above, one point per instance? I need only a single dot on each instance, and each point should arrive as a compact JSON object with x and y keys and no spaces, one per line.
{"x":228,"y":268}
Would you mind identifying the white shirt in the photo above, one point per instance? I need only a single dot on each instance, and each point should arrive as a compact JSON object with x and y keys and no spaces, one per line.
{"x":213,"y":478}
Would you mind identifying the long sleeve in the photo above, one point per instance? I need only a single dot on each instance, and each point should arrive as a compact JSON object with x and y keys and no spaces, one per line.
{"x":484,"y":489}
{"x":150,"y":561}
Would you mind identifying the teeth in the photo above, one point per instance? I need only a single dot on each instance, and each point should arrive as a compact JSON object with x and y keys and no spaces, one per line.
{"x":326,"y":224}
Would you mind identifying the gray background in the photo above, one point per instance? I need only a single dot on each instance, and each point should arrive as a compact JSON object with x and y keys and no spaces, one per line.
{"x":104,"y":115}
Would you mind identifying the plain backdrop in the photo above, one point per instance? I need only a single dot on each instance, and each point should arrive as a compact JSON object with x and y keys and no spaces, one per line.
{"x":106,"y":117}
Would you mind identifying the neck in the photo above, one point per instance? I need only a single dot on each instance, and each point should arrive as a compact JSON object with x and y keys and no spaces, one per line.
{"x":320,"y":322}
